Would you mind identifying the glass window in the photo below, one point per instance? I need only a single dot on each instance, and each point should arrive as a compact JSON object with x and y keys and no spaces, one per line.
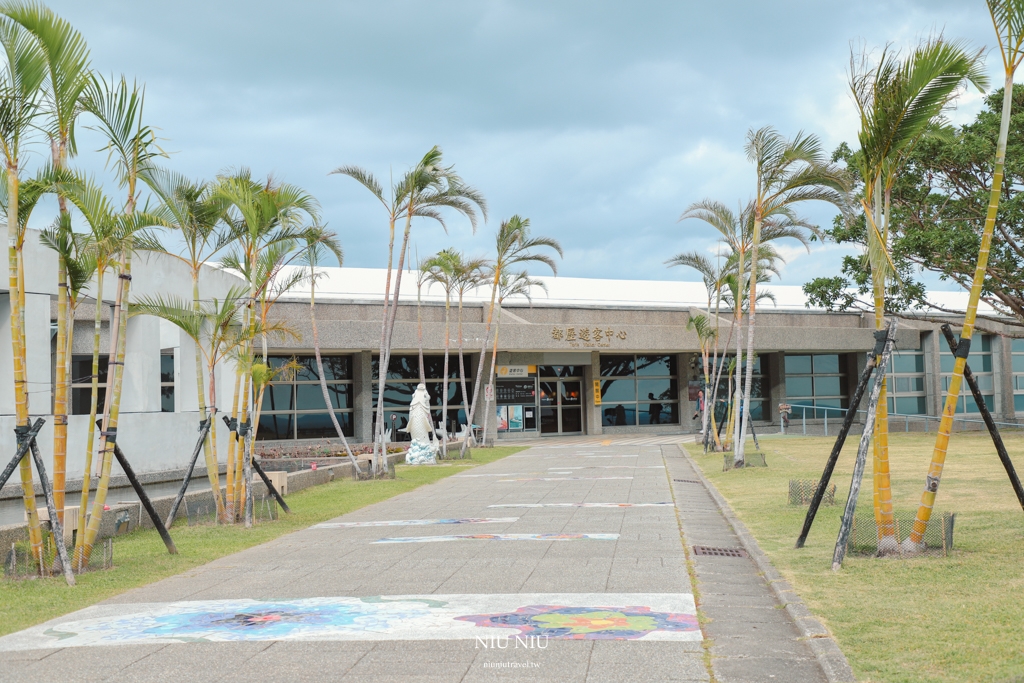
{"x":816,"y":381}
{"x":641,"y":389}
{"x":293,"y":403}
{"x":1017,"y":368}
{"x":167,"y":382}
{"x":560,"y":371}
{"x":980,"y":361}
{"x":81,"y":384}
{"x":727,"y":386}
{"x":404,"y":375}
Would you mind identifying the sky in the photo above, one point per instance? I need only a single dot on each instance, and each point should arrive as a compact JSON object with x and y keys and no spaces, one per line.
{"x":600,"y":121}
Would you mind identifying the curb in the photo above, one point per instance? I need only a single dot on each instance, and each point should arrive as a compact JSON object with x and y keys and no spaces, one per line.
{"x":831,"y":659}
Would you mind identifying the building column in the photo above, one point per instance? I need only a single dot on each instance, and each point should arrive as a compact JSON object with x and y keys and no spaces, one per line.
{"x":1002,"y":377}
{"x":591,"y":409}
{"x":362,"y":401}
{"x":776,"y":379}
{"x":935,"y":396}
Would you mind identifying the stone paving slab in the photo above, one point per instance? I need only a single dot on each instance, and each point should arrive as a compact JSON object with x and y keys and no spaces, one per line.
{"x":749,"y":637}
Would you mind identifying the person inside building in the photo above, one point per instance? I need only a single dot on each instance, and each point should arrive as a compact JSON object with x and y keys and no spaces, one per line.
{"x":653,"y":412}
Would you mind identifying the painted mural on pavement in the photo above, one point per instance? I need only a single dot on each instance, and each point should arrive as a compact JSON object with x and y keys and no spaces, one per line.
{"x":570,"y":616}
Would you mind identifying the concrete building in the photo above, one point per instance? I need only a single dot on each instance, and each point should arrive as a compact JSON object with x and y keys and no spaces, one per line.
{"x":586,"y":357}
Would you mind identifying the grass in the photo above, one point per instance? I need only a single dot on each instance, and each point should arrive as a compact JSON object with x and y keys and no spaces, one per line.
{"x":948,"y":619}
{"x":141,"y":558}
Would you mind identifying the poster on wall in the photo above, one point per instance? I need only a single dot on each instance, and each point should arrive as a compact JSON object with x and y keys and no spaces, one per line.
{"x":502,"y":418}
{"x":515,"y":418}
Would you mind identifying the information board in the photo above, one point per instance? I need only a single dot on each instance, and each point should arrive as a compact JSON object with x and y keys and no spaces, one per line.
{"x":516,"y":391}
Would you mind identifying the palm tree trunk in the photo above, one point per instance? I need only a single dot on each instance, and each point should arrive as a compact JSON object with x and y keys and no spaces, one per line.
{"x":487,"y":334}
{"x":384,"y":357}
{"x":882,"y":493}
{"x":83,"y":503}
{"x":233,"y":452}
{"x":389,"y":329}
{"x":212,"y":467}
{"x":419,"y":331}
{"x":748,"y":384}
{"x":924,"y":510}
{"x":247,"y":464}
{"x":112,"y":400}
{"x":462,"y":382}
{"x":60,"y":393}
{"x":16,"y":298}
{"x":444,"y":383}
{"x":323,"y":379}
{"x":490,"y":374}
{"x":243,"y":415}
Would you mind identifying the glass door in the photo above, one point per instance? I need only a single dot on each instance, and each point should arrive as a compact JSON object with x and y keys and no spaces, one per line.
{"x":561,"y":406}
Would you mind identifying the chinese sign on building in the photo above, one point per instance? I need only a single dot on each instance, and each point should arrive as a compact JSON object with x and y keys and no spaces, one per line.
{"x":587,"y":337}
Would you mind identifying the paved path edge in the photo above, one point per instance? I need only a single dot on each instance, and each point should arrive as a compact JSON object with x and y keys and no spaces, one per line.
{"x":830,"y":657}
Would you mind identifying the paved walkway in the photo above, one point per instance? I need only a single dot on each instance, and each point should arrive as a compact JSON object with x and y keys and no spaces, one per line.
{"x":535,"y":545}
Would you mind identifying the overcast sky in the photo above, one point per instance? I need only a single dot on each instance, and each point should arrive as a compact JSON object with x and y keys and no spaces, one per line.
{"x":600,"y":121}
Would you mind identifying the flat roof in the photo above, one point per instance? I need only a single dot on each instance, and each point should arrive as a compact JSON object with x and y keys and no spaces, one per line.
{"x":366,"y":285}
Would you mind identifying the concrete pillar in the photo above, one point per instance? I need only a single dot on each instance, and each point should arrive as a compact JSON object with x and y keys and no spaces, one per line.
{"x":362,"y":404}
{"x":140,"y":389}
{"x":935,"y":396}
{"x":773,"y":366}
{"x":686,"y":375}
{"x":1002,"y":376}
{"x":591,"y":411}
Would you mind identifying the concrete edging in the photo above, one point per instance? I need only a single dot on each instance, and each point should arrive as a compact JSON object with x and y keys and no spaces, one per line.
{"x":830,"y":657}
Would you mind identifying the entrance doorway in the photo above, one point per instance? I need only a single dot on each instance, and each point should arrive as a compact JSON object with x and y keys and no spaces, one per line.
{"x":561,"y":399}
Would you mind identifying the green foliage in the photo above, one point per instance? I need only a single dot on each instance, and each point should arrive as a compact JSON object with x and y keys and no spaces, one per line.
{"x":938,"y":213}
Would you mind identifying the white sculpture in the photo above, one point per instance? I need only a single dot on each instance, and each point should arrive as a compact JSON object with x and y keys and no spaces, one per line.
{"x":423,"y":450}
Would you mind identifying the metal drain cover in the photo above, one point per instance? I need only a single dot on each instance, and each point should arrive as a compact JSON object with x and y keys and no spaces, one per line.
{"x":719,"y":552}
{"x":687,"y":481}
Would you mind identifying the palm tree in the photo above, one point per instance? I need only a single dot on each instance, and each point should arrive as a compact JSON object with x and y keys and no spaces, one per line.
{"x":422,"y":191}
{"x":260,"y":216}
{"x":468,"y":276}
{"x":422,"y":278}
{"x":519,"y":284}
{"x":67,"y":75}
{"x":899,"y":102}
{"x":21,"y":79}
{"x":515,"y":246}
{"x":788,"y":172}
{"x":443,"y":268}
{"x":1008,"y":20}
{"x":131,"y":146}
{"x":318,"y":245}
{"x":191,"y":209}
{"x":713,"y":275}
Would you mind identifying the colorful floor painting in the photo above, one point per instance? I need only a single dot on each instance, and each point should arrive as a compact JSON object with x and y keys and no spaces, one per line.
{"x":571,"y":616}
{"x":500,"y":537}
{"x":562,"y":478}
{"x":581,"y":505}
{"x":415,"y":522}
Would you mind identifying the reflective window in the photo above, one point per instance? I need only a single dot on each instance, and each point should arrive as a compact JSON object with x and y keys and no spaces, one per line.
{"x":404,"y":375}
{"x":1017,"y":365}
{"x":81,"y":384}
{"x":639,"y":390}
{"x":167,"y":382}
{"x":293,"y":402}
{"x":816,"y":381}
{"x":980,"y":361}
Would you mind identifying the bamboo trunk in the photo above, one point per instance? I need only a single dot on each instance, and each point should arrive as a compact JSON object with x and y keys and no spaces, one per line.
{"x":16,"y":297}
{"x":462,"y":383}
{"x":924,"y":510}
{"x":60,"y":393}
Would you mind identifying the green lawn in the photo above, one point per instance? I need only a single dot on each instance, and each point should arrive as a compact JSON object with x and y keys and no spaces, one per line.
{"x":141,"y":558}
{"x":956,"y":618}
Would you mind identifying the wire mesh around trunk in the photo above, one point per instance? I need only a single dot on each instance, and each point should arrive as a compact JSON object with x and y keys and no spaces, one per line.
{"x":938,"y":538}
{"x":801,"y":491}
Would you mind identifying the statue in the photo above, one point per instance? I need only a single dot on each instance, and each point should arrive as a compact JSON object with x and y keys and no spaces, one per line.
{"x":423,"y":449}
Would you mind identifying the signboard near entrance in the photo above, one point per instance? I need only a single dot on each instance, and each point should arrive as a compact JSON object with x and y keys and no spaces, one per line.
{"x":516,"y":391}
{"x":513,"y":371}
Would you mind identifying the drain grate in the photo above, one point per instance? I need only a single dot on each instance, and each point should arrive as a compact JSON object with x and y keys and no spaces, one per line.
{"x":719,"y":552}
{"x":687,"y":481}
